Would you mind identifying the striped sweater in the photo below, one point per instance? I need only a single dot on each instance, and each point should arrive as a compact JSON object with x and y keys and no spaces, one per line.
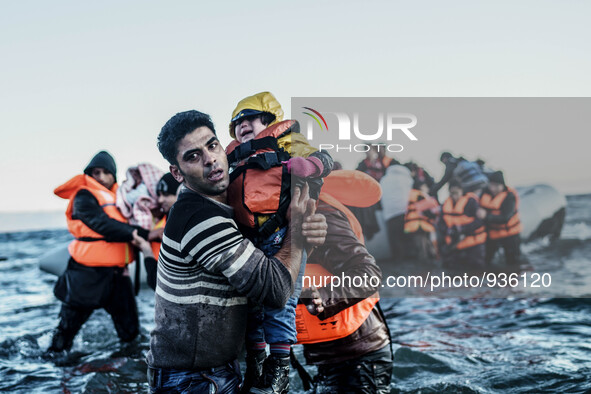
{"x":207,"y":272}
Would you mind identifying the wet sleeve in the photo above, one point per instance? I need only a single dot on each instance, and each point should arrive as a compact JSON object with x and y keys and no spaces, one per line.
{"x":217,"y":245}
{"x":507,"y":210}
{"x":344,"y":256}
{"x":87,"y":209}
{"x":151,"y":271}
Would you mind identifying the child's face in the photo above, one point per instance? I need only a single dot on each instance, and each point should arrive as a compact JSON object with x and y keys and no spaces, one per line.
{"x":248,"y":128}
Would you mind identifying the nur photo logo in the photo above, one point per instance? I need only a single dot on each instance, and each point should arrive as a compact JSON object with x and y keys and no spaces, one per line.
{"x":387,"y":126}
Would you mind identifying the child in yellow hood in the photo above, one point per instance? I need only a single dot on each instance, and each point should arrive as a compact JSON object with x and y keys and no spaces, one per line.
{"x":267,"y":158}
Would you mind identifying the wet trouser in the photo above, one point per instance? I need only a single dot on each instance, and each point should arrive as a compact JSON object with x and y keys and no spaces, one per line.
{"x":371,"y":373}
{"x":511,"y":247}
{"x":120,"y":305}
{"x":396,"y":236}
{"x":224,"y":379}
{"x":275,"y":325}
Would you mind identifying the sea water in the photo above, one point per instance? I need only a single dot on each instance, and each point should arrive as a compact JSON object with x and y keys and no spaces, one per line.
{"x":473,"y":345}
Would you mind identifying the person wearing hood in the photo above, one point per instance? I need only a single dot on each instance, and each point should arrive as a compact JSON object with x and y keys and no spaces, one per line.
{"x":96,"y":276}
{"x":396,"y":186}
{"x":167,"y":190}
{"x":267,"y":159}
{"x":500,"y":211}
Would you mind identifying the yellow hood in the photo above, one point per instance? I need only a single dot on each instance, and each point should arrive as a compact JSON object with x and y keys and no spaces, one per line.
{"x":264,"y":101}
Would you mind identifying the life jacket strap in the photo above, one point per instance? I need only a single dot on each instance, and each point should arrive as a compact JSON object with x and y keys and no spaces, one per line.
{"x":262,"y":161}
{"x":249,"y":148}
{"x":89,"y":239}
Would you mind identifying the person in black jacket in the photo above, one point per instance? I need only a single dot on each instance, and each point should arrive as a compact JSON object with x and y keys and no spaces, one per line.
{"x":88,"y":285}
{"x":361,"y":361}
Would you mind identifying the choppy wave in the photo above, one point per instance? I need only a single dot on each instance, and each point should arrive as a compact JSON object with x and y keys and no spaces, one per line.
{"x":482,"y":345}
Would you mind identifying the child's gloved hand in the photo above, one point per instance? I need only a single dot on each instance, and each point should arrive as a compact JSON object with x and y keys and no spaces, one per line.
{"x":305,"y":167}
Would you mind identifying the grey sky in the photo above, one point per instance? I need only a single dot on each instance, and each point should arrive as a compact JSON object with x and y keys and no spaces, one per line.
{"x":78,"y":77}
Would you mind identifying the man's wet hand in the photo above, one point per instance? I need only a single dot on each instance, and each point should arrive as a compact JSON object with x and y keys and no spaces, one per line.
{"x":299,"y":205}
{"x":156,"y":235}
{"x":142,"y":244}
{"x":313,"y":301}
{"x":314,"y":228}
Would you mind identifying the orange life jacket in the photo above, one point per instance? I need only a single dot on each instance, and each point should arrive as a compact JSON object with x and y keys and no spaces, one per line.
{"x":156,"y":245}
{"x":414,"y":220}
{"x":309,"y":327}
{"x":453,"y":215}
{"x":259,"y":189}
{"x":493,"y":205}
{"x":89,"y":247}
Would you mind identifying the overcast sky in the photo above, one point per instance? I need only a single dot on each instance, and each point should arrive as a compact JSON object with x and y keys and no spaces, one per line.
{"x":78,"y":77}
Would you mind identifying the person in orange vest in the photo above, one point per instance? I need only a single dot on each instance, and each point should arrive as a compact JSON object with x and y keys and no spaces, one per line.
{"x":267,"y":159}
{"x":353,"y":354}
{"x":500,"y":212}
{"x":96,"y":276}
{"x":167,"y":191}
{"x":419,"y":223}
{"x":461,"y":235}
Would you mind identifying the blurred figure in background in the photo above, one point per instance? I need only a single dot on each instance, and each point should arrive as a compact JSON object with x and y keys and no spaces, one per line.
{"x":419,"y":223}
{"x":419,"y":174}
{"x":376,"y":162}
{"x":461,"y":235}
{"x":396,"y":188}
{"x":500,"y":212}
{"x":167,"y":190}
{"x":468,"y":173}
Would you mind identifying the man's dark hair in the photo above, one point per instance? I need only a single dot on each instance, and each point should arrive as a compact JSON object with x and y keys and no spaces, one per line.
{"x":177,"y":128}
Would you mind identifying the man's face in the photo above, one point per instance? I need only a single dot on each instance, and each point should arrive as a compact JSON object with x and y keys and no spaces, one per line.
{"x":103,"y":177}
{"x":495,"y":188}
{"x":166,"y":201}
{"x":455,"y":193}
{"x":248,"y":128}
{"x":202,"y":164}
